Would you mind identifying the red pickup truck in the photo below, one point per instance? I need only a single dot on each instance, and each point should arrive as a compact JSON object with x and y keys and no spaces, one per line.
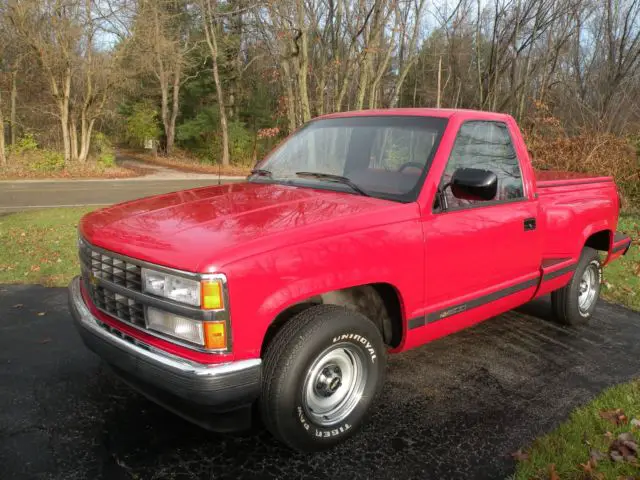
{"x":362,"y":234}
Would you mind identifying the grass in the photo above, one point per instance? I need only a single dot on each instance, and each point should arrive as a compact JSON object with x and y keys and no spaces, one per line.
{"x":40,"y":246}
{"x":569,"y":446}
{"x":622,"y":277}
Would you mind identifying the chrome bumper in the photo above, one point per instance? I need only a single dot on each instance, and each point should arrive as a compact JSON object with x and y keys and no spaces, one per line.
{"x":155,"y":373}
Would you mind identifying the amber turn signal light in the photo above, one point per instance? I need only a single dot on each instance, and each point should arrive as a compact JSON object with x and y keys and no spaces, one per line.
{"x":215,"y":335}
{"x":212,"y":295}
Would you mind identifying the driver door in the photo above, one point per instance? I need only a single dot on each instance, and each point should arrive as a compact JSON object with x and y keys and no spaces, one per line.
{"x":481,"y":252}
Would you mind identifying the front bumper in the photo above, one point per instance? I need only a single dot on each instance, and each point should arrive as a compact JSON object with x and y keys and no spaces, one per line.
{"x":178,"y":384}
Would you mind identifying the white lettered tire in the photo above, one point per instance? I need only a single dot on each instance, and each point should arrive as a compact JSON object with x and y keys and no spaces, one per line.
{"x":575,"y":303}
{"x":322,"y":372}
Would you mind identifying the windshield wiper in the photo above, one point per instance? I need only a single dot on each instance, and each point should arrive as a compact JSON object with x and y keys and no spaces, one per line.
{"x":334,"y":178}
{"x":261,"y":172}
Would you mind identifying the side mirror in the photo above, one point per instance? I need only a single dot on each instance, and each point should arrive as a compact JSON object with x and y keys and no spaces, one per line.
{"x":474,"y":184}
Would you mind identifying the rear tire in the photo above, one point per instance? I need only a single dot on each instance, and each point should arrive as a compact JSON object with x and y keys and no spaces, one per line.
{"x":322,"y":372}
{"x":575,"y":303}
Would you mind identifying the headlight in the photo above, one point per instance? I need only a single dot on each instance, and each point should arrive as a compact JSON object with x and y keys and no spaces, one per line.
{"x":180,"y":289}
{"x":175,"y":325}
{"x":207,"y":294}
{"x":211,"y":335}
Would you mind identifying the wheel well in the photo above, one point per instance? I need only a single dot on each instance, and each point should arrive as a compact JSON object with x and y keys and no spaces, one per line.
{"x":599,"y":240}
{"x":377,"y":301}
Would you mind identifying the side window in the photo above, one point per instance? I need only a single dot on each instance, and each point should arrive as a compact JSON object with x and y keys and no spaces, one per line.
{"x":485,"y":145}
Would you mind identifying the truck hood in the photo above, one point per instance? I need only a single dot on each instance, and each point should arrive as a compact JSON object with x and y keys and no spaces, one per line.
{"x":201,"y":230}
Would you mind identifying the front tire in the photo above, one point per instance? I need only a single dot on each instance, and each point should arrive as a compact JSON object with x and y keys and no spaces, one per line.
{"x":575,"y":303}
{"x":322,"y":372}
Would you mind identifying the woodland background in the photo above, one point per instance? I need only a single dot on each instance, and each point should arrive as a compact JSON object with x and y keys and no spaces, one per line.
{"x":221,"y":81}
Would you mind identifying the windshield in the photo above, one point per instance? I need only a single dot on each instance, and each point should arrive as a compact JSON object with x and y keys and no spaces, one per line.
{"x":382,"y":156}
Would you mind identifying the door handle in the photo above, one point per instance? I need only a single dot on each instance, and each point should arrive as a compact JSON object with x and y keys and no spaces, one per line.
{"x":529,"y":224}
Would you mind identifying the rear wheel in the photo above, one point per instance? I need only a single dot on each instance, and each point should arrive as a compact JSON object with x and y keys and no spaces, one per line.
{"x":322,"y":373}
{"x":575,"y":303}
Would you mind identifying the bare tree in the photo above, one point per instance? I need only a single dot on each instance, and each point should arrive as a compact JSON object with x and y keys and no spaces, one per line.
{"x":212,"y":25}
{"x":61,"y":35}
{"x":163,"y":44}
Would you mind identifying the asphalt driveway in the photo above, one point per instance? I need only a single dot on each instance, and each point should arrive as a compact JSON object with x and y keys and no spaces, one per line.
{"x":453,"y":409}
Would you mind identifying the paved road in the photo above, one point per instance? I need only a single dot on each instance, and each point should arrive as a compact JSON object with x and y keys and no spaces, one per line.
{"x":17,"y":196}
{"x":38,"y":194}
{"x":453,"y":409}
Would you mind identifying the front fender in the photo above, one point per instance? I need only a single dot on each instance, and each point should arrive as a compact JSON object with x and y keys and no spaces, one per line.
{"x":263,"y":286}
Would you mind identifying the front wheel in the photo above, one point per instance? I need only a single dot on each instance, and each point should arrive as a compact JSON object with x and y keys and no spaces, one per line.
{"x":322,"y":372}
{"x":575,"y":303}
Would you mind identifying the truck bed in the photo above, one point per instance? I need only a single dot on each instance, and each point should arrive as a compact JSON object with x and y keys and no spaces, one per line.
{"x":554,"y":178}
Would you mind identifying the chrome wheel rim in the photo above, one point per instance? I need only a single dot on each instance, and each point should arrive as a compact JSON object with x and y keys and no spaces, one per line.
{"x":588,"y":288}
{"x":334,"y":384}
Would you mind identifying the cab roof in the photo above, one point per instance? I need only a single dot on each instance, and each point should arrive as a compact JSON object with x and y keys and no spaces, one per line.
{"x":421,"y":112}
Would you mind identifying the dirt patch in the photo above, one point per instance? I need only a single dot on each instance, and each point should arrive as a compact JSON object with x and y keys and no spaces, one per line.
{"x":187,"y":164}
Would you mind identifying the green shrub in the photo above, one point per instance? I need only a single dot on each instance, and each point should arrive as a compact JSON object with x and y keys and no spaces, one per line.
{"x":107,"y":160}
{"x":27,"y":143}
{"x":142,"y":124}
{"x":240,"y":142}
{"x":100,"y":143}
{"x":49,"y":161}
{"x":201,"y":135}
{"x":103,"y":149}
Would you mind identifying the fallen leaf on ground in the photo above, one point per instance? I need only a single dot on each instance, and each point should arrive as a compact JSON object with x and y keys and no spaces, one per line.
{"x":520,"y":456}
{"x":589,"y":466}
{"x":616,"y":457}
{"x":624,"y":448}
{"x":41,"y":314}
{"x":553,"y":475}
{"x":615,"y":416}
{"x":635,"y":423}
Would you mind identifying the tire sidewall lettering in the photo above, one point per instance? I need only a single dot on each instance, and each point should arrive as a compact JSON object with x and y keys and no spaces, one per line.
{"x":359,"y":340}
{"x":315,"y":431}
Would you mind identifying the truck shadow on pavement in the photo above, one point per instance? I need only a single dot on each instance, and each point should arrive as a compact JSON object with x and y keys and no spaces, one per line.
{"x":455,"y":408}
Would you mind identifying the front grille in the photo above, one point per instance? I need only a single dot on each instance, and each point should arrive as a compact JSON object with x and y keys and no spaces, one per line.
{"x":117,"y":305}
{"x":112,"y":269}
{"x":119,"y":272}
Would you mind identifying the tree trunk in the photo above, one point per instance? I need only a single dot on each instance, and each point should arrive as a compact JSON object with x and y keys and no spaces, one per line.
{"x":12,"y":119}
{"x":223,"y":115}
{"x":66,"y":135}
{"x":73,"y":139}
{"x":439,"y":82}
{"x":3,"y":158}
{"x":303,"y":65}
{"x":382,"y":68}
{"x":479,"y":66}
{"x":170,"y":129}
{"x":212,"y":41}
{"x":363,"y":82}
{"x":291,"y":101}
{"x":63,"y":112}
